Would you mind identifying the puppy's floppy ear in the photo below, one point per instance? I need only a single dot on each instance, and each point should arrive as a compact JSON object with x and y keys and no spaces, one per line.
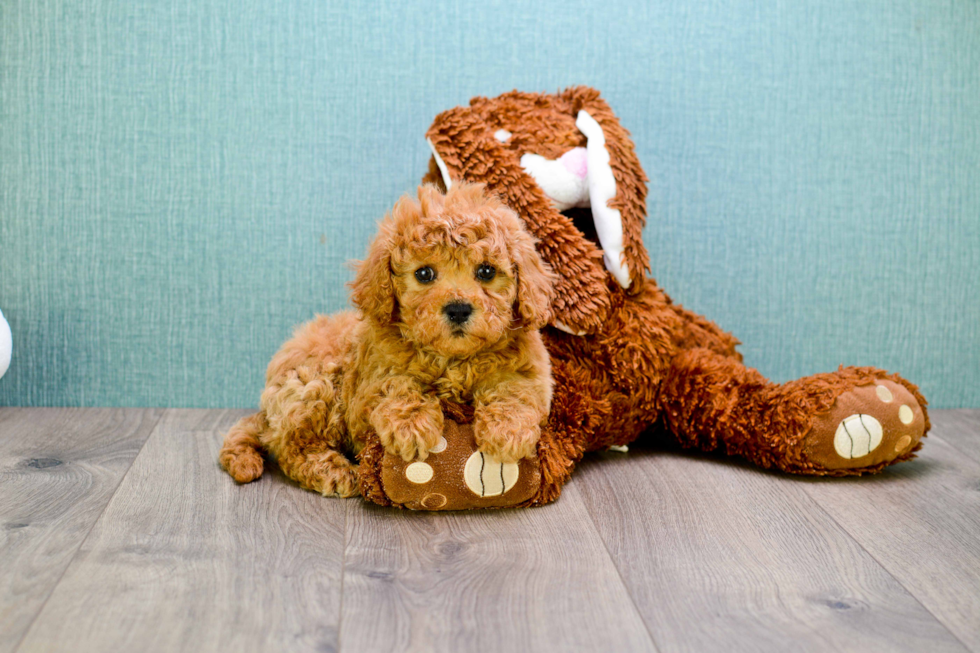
{"x":373,"y":290}
{"x":535,"y":281}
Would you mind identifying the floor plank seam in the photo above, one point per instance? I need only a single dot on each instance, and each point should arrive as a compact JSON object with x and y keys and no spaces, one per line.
{"x":88,"y":533}
{"x":619,"y":574}
{"x":343,"y":573}
{"x":886,"y":570}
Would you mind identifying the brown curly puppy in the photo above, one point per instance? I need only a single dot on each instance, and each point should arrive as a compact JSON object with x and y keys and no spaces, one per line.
{"x":451,"y":296}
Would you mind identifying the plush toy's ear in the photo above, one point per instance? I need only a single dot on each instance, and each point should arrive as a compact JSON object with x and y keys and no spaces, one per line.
{"x":464,"y":148}
{"x":630,"y":181}
{"x":535,"y":282}
{"x":372,"y":290}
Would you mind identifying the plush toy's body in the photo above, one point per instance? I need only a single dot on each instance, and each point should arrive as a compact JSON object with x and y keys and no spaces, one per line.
{"x":625,"y":359}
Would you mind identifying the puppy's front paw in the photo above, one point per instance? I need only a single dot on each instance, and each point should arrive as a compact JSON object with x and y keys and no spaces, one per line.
{"x":408,"y":431}
{"x":507,"y":433}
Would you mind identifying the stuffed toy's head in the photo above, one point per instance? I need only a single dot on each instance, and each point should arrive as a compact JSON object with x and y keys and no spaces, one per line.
{"x":565,"y":164}
{"x":455,"y":273}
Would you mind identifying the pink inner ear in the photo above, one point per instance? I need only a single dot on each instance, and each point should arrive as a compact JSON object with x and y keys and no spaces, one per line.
{"x":576,"y":162}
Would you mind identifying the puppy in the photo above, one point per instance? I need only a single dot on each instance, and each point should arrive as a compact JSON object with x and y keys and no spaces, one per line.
{"x":451,"y":297}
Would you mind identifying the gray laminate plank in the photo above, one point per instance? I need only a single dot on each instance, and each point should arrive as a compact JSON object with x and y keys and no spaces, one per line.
{"x":921,"y":521}
{"x":959,"y":428}
{"x":183,"y":559}
{"x":58,"y":470}
{"x":516,"y":580}
{"x":720,"y":556}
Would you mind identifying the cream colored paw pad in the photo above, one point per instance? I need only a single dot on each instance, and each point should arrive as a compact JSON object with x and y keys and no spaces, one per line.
{"x":903,"y":443}
{"x":419,"y":472}
{"x":884,"y":394}
{"x":487,"y":476}
{"x":434,"y":501}
{"x":906,"y":415}
{"x":440,"y":446}
{"x":857,"y":436}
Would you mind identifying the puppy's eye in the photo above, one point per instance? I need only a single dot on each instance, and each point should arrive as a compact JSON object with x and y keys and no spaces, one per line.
{"x":486,"y":272}
{"x":425,"y":274}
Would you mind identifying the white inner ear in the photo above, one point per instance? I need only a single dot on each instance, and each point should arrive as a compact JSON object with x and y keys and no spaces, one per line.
{"x":602,"y":188}
{"x":441,"y":164}
{"x":565,"y":189}
{"x":583,"y":178}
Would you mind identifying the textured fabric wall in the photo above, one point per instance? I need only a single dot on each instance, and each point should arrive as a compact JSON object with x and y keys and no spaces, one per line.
{"x":182,"y":182}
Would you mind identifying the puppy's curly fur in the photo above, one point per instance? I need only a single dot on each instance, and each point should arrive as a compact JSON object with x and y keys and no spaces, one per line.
{"x":469,"y":334}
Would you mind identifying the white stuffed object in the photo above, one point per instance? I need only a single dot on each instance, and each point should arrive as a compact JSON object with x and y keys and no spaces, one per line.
{"x":6,"y":345}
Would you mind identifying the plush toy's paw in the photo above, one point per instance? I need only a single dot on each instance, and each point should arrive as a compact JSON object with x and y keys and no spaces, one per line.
{"x":507,"y":435}
{"x":867,"y":427}
{"x":457,"y":476}
{"x":409,"y":434}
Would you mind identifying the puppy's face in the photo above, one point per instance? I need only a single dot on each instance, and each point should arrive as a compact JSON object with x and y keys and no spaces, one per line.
{"x":455,"y":273}
{"x":455,"y":300}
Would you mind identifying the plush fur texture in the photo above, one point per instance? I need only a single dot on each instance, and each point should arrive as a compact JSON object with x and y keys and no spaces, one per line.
{"x":627,"y":360}
{"x":456,"y":334}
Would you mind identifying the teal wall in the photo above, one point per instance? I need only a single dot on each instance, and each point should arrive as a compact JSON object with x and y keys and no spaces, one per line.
{"x":182,"y":182}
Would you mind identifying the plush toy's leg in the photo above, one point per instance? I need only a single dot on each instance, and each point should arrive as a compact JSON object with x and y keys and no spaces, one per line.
{"x":698,"y":332}
{"x":852,"y":421}
{"x":579,"y":413}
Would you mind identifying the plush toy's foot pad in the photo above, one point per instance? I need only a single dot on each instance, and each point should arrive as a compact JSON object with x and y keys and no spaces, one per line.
{"x":867,"y":426}
{"x":456,"y":476}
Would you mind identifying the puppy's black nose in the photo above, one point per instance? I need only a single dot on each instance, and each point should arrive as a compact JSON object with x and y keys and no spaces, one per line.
{"x":457,"y":312}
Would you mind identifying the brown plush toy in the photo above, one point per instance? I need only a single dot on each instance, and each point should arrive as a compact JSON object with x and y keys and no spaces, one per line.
{"x":625,"y":359}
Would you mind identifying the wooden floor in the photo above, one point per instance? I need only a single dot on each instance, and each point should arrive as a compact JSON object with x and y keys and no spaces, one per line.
{"x":119,"y":532}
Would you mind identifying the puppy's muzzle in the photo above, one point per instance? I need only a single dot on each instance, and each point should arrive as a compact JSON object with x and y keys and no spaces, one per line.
{"x":458,"y":312}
